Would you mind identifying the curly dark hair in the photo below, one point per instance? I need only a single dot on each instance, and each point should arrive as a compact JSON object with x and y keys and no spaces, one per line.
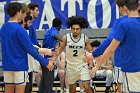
{"x":13,"y":8}
{"x":77,"y":20}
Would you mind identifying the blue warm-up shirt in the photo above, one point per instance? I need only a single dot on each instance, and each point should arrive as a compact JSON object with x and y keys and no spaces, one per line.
{"x":128,"y":33}
{"x":49,"y":39}
{"x":16,"y":44}
{"x":32,"y":35}
{"x":100,"y":50}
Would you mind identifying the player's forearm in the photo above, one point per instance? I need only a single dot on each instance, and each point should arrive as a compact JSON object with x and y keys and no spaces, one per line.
{"x":107,"y":54}
{"x":106,"y":67}
{"x":89,"y":48}
{"x":62,"y":61}
{"x":59,"y":51}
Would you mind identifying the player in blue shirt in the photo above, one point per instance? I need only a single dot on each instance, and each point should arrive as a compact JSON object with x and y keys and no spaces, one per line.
{"x":127,"y":40}
{"x":34,"y":12}
{"x":15,"y":46}
{"x":50,"y":38}
{"x":100,"y":50}
{"x":45,"y":51}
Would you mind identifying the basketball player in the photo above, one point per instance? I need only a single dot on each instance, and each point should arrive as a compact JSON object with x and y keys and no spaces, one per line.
{"x":106,"y":68}
{"x":50,"y":39}
{"x":15,"y":46}
{"x":26,"y":24}
{"x":34,"y":12}
{"x":61,"y":61}
{"x":75,"y":44}
{"x":24,"y":12}
{"x":126,"y":40}
{"x":100,"y":50}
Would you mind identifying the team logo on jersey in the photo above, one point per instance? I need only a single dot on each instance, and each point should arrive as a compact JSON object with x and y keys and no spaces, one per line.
{"x":75,"y":47}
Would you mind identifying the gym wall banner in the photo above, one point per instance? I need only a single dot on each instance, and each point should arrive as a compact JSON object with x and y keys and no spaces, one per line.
{"x":99,"y":13}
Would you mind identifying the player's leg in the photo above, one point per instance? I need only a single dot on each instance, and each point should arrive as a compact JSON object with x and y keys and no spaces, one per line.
{"x":9,"y":82}
{"x":81,"y":87}
{"x":9,"y":88}
{"x":73,"y":76}
{"x":117,"y":78}
{"x":109,"y":79}
{"x":85,"y":78}
{"x":86,"y":85}
{"x":66,"y":83}
{"x":21,"y":77}
{"x":20,"y":88}
{"x":72,"y":88}
{"x":62,"y":80}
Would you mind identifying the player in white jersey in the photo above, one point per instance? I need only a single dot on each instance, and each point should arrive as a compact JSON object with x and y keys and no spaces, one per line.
{"x":75,"y":44}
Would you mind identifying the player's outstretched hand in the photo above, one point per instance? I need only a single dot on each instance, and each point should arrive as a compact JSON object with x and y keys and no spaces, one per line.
{"x":93,"y":71}
{"x":88,"y":57}
{"x":48,"y":52}
{"x":45,"y":51}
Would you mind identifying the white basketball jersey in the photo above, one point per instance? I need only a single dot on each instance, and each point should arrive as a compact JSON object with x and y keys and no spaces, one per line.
{"x":74,"y":51}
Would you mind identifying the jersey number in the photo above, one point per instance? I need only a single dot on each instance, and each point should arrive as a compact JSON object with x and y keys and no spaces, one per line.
{"x":75,"y":53}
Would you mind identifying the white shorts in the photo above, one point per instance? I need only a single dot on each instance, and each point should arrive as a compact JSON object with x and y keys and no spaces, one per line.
{"x":117,"y":75}
{"x":33,"y":64}
{"x":36,"y":66}
{"x":119,"y":78}
{"x":132,"y":81}
{"x":15,"y":77}
{"x":78,"y":75}
{"x":30,"y":63}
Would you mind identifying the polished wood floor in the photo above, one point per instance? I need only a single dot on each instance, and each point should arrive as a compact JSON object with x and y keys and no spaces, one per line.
{"x":57,"y":89}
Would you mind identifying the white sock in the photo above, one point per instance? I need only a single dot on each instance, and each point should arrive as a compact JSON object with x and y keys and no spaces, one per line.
{"x":62,"y":91}
{"x":67,"y":91}
{"x":91,"y":83}
{"x":81,"y":90}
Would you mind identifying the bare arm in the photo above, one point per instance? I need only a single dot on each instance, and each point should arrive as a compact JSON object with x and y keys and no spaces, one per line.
{"x":58,"y":37}
{"x":109,"y":51}
{"x":88,"y":46}
{"x":63,"y":45}
{"x":63,"y":57}
{"x":61,"y":61}
{"x":89,"y":49}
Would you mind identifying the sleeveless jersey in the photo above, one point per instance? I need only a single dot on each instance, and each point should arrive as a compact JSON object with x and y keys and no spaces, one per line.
{"x":75,"y":51}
